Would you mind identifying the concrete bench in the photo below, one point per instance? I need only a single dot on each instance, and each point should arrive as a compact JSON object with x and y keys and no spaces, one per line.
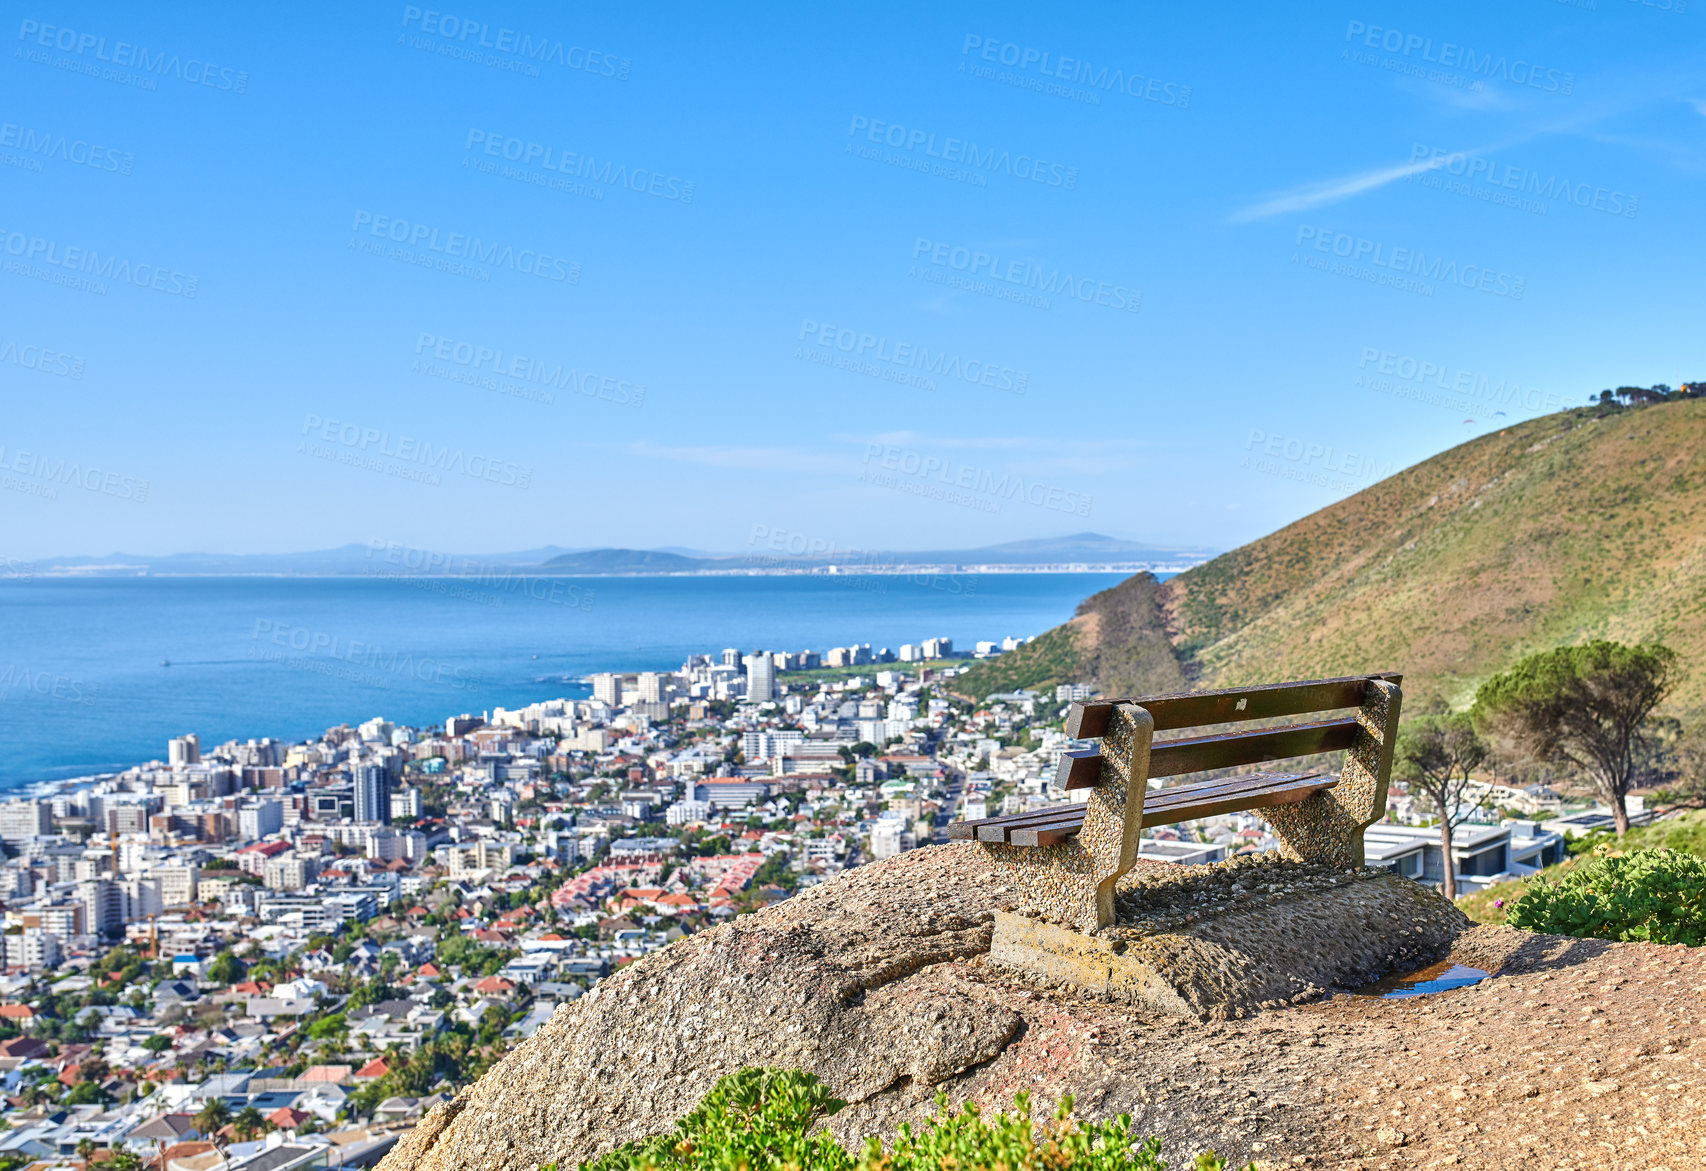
{"x":1066,"y":860}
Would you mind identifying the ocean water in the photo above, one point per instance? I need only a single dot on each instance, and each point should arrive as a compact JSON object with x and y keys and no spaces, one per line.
{"x":85,"y":686}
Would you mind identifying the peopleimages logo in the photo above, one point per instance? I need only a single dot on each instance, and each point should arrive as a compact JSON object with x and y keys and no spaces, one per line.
{"x":461,"y":246}
{"x":41,"y":359}
{"x":364,"y":445}
{"x":1449,"y":55}
{"x":989,"y":160}
{"x":526,"y":153}
{"x":921,"y":474}
{"x":1415,"y":378}
{"x":1026,"y":274}
{"x":127,"y":56}
{"x":43,"y":475}
{"x":45,"y":144}
{"x":311,"y":645}
{"x":1507,"y":177}
{"x":1309,"y":461}
{"x":478,"y":361}
{"x":1076,"y":71}
{"x":857,"y":350}
{"x":455,"y":33}
{"x":38,"y":257}
{"x":1410,"y":262}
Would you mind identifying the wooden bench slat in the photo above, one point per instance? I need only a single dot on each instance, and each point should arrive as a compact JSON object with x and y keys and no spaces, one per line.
{"x":1048,"y":833}
{"x":1079,"y":768}
{"x":1177,"y":794}
{"x":1213,"y":806}
{"x":1058,"y":822}
{"x":997,"y":829}
{"x":1161,"y":807}
{"x":1195,"y":754}
{"x":1088,"y":719}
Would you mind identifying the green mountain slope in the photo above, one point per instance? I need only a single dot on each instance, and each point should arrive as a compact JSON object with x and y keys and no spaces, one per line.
{"x":1563,"y":528}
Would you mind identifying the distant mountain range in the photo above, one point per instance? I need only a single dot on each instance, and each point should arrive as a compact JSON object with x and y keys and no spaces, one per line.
{"x":382,"y":560}
{"x":1577,"y":525}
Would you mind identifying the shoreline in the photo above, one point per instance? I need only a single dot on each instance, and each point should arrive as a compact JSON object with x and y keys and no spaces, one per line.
{"x":896,"y":570}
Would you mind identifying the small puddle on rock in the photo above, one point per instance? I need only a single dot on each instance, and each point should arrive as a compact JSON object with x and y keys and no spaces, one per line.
{"x":1441,"y":977}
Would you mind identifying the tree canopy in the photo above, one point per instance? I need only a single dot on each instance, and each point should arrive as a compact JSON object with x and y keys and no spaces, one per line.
{"x":1587,"y":705}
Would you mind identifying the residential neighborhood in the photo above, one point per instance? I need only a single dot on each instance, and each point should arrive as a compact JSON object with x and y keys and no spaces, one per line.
{"x":264,"y":956}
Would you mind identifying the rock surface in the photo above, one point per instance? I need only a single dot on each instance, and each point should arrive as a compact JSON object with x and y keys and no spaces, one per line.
{"x":1576,"y":1054}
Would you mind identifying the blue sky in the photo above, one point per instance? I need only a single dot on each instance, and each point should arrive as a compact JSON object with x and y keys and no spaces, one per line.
{"x":493,"y":277}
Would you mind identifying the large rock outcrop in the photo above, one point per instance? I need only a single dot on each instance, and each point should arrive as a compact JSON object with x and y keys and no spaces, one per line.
{"x":880,"y":983}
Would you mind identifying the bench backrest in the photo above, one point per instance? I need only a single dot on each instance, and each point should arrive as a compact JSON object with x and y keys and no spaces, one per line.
{"x":1082,"y":769}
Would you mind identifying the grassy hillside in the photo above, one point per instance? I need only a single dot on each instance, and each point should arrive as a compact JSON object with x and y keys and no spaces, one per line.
{"x":1563,"y":528}
{"x":1116,"y":639}
{"x":1686,"y":833}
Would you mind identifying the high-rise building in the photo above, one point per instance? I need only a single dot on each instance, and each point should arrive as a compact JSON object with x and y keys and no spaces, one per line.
{"x":938,"y":648}
{"x":259,"y":819}
{"x":406,"y":803}
{"x":34,"y":949}
{"x":731,"y":657}
{"x":181,"y":750}
{"x":607,"y":689}
{"x":23,"y":819}
{"x":177,"y":884}
{"x":654,"y":687}
{"x":372,"y":793}
{"x":103,"y":905}
{"x":760,"y":677}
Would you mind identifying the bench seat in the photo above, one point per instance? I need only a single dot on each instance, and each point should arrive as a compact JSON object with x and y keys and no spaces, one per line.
{"x":1047,"y":827}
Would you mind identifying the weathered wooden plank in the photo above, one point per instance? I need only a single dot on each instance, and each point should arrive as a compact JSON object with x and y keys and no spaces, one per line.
{"x":1047,"y":833}
{"x":1012,"y":819}
{"x":1079,"y":769}
{"x":1284,"y":794}
{"x":1189,"y":709}
{"x":1195,"y":754}
{"x":1251,"y":782}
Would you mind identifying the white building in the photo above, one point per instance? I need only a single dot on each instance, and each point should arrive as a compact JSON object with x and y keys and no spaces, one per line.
{"x":406,"y":803}
{"x":760,"y":677}
{"x":890,"y":837}
{"x":103,"y":905}
{"x":182,"y":750}
{"x":35,"y":949}
{"x":687,"y":813}
{"x":23,"y":819}
{"x":258,"y":820}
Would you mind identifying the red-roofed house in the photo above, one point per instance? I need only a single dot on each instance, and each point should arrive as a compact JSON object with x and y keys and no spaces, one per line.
{"x":373,"y":1070}
{"x":287,"y":1119}
{"x":495,"y":986}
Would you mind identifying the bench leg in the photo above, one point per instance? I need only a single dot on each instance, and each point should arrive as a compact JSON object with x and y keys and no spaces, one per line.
{"x":1327,"y":828}
{"x":1073,"y":883}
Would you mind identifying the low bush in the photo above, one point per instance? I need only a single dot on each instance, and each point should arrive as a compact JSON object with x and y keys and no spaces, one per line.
{"x":764,"y":1120}
{"x":1648,"y":896}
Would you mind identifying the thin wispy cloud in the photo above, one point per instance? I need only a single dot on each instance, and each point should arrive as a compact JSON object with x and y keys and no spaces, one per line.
{"x":1334,"y":190}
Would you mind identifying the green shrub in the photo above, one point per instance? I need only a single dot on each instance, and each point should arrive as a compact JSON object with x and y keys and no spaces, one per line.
{"x":763,"y":1119}
{"x":1648,"y":896}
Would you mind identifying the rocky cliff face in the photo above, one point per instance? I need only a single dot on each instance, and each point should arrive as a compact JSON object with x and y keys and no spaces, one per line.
{"x":879,"y":982}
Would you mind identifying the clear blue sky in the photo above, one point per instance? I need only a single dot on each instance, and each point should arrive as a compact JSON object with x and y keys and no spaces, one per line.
{"x":1199,"y":171}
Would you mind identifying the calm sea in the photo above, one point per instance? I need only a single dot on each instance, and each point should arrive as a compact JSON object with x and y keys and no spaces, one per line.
{"x":85,"y":684}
